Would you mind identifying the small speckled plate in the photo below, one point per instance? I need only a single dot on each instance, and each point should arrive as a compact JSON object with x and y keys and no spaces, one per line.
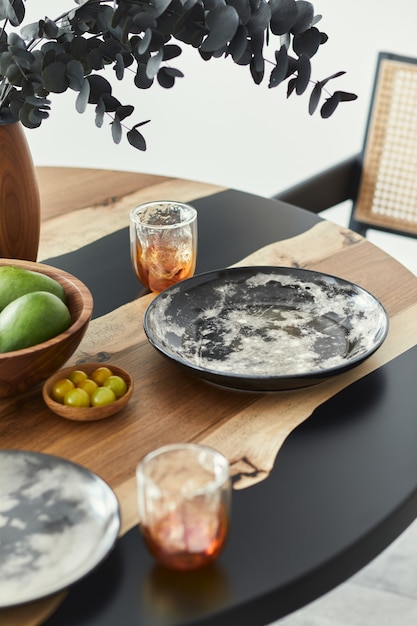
{"x":266,"y":328}
{"x":58,"y":522}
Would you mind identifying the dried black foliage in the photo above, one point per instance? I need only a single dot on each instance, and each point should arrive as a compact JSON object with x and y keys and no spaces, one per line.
{"x":143,"y":37}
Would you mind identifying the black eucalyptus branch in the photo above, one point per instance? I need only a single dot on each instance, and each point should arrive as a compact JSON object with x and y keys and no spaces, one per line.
{"x":144,"y":36}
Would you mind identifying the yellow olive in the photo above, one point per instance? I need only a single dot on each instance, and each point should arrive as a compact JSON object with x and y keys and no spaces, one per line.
{"x":77,"y":376}
{"x":117,"y":384}
{"x":60,"y":388}
{"x":102,"y":396}
{"x":101,"y":374}
{"x":77,"y":398}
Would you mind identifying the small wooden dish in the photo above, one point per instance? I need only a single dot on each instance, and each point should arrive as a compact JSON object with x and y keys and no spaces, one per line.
{"x":90,"y":413}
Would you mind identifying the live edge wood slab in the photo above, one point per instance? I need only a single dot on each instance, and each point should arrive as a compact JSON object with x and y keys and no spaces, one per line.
{"x":81,"y":206}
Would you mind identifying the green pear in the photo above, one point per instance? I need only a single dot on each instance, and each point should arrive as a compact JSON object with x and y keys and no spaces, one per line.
{"x":16,"y":281}
{"x":31,"y":319}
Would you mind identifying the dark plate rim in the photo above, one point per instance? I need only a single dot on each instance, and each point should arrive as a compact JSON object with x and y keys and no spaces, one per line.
{"x":60,"y":586}
{"x":260,"y":382}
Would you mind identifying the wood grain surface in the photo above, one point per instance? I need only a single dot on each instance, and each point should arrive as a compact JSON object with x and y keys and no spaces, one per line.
{"x":19,"y":196}
{"x":168,"y":405}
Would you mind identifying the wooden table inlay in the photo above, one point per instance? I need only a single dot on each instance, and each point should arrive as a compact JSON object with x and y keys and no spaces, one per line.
{"x":168,"y":405}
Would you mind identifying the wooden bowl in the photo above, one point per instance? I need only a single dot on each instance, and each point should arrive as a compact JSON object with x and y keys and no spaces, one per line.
{"x":90,"y":413}
{"x":22,"y":369}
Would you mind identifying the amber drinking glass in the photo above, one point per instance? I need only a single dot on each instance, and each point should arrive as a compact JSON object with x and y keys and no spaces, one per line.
{"x":163,"y":243}
{"x":184,"y":504}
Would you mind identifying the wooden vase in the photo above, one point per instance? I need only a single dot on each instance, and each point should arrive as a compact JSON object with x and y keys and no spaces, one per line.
{"x":19,"y":196}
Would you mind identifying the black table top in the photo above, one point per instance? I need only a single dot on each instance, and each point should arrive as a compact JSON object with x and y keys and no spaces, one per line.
{"x":343,"y":486}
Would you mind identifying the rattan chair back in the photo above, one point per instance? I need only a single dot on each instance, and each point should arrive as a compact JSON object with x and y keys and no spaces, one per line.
{"x":387,"y":192}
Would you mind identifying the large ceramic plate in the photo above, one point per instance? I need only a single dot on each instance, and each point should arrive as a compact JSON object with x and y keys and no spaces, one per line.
{"x":265,"y":328}
{"x":57,"y":522}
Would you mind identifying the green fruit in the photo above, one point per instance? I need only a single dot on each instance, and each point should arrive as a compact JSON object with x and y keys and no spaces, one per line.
{"x":116,"y":384}
{"x":31,"y":319}
{"x":102,"y":396}
{"x":16,"y":281}
{"x":77,"y":397}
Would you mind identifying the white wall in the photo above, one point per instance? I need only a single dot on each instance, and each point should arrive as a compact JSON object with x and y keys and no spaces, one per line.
{"x":216,"y":125}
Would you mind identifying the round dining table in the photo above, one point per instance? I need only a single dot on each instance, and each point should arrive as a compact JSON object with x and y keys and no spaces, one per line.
{"x":324,"y":476}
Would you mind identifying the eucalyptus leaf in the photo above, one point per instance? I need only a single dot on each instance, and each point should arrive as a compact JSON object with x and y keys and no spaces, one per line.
{"x":95,"y":59}
{"x":173,"y":71}
{"x":259,"y":19}
{"x":157,"y":7}
{"x":307,"y":42}
{"x":75,"y":75}
{"x":15,"y":41}
{"x":209,"y":5}
{"x":336,"y":75}
{"x":292,"y":83}
{"x":8,"y":116}
{"x":27,"y":118}
{"x":243,"y":9}
{"x":154,"y":63}
{"x":109,"y":49}
{"x":37,"y":115}
{"x":257,"y":74}
{"x":3,"y":9}
{"x":245,"y":59}
{"x":279,"y":73}
{"x":164,"y":79}
{"x":315,"y":98}
{"x":14,"y":75}
{"x":330,"y":105}
{"x":257,"y":48}
{"x":171,"y":51}
{"x":141,"y":80}
{"x":100,"y":39}
{"x":283,"y":16}
{"x":110,"y":102}
{"x":13,"y":10}
{"x":190,"y":27}
{"x":55,"y":77}
{"x":52,"y":46}
{"x":145,"y":41}
{"x":116,"y":130}
{"x":217,"y":54}
{"x":223,"y":22}
{"x":167,"y":21}
{"x":347,"y":96}
{"x":167,"y":75}
{"x":34,"y":80}
{"x":31,"y":31}
{"x":119,"y":67}
{"x":82,"y":99}
{"x":136,"y":139}
{"x":124,"y":111}
{"x":239,"y":43}
{"x":99,"y":87}
{"x":100,"y":111}
{"x":144,"y":20}
{"x":38,"y":102}
{"x":305,"y":17}
{"x":50,"y":29}
{"x":78,"y":49}
{"x":5,"y":59}
{"x":303,"y":76}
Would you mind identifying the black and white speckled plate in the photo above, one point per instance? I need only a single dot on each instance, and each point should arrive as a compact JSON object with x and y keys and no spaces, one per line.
{"x":266,"y":328}
{"x":57,"y":522}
